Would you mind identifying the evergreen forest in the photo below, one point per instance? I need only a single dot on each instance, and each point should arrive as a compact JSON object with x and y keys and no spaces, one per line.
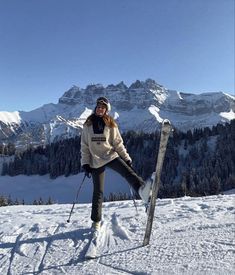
{"x":199,"y":162}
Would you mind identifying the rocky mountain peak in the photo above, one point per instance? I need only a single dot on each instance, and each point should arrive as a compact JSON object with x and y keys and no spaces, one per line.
{"x":137,"y":85}
{"x":141,"y":107}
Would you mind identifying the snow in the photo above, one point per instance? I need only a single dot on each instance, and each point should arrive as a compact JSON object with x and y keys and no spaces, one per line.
{"x":228,"y":95}
{"x":190,"y":236}
{"x":137,"y":119}
{"x":228,"y":115}
{"x":10,"y":117}
{"x":78,"y":103}
{"x":160,"y":95}
{"x":181,"y":121}
{"x":154,"y":110}
{"x":140,"y":109}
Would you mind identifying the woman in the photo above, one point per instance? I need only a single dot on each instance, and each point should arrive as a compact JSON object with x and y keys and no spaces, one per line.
{"x":102,"y":146}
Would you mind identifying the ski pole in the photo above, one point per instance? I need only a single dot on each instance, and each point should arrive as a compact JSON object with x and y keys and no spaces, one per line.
{"x":132,"y":195}
{"x":133,"y":198}
{"x":76,"y":198}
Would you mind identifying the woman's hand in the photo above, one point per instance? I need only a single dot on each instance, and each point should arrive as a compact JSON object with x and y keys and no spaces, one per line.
{"x":87,"y":169}
{"x":129,"y":163}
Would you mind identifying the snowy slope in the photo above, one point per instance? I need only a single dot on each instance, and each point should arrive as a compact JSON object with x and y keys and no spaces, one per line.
{"x":10,"y":117}
{"x":190,"y":236}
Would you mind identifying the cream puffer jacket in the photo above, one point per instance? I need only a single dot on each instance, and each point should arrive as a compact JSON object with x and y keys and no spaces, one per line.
{"x":99,"y":149}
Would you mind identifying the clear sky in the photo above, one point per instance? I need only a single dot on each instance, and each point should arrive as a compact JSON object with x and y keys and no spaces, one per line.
{"x":46,"y":46}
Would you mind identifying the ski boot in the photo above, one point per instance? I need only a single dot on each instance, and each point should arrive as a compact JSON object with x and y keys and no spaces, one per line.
{"x":95,"y":226}
{"x":145,"y":193}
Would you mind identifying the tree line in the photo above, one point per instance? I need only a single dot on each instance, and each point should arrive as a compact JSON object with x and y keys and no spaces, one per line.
{"x":7,"y":149}
{"x":8,"y":201}
{"x":198,"y":162}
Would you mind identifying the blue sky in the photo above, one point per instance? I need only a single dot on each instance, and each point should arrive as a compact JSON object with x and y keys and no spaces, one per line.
{"x":49,"y":45}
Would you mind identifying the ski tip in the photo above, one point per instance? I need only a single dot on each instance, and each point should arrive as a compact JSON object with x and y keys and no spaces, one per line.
{"x":166,"y":122}
{"x":145,"y":242}
{"x":90,"y":257}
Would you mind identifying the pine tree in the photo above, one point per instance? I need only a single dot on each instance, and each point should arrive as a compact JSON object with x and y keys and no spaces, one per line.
{"x":49,"y":202}
{"x":35,"y":202}
{"x":9,"y":200}
{"x":215,"y":184}
{"x":3,"y":201}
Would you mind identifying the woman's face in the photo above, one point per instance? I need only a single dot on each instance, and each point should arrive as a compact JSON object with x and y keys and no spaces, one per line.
{"x":100,"y":109}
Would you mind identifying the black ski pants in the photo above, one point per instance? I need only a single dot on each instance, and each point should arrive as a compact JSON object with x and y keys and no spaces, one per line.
{"x":98,"y":176}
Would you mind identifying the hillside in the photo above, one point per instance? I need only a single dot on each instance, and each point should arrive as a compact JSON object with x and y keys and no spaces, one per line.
{"x":197,"y":163}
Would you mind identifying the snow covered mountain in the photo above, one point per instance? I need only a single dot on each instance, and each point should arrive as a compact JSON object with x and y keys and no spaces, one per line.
{"x":140,"y":107}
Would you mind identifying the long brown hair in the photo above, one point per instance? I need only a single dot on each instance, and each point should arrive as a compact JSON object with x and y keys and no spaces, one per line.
{"x":108,"y":120}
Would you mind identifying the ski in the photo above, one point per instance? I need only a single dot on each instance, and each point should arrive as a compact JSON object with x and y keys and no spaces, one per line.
{"x":96,"y":243}
{"x":165,"y":132}
{"x":92,"y":247}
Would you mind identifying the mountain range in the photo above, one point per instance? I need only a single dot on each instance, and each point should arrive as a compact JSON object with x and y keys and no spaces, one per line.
{"x":140,"y":107}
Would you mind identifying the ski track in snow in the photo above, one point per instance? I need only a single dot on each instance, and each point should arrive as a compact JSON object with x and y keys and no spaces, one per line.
{"x":190,"y":236}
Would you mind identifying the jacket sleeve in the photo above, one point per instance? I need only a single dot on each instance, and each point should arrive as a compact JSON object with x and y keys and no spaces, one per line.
{"x":119,"y":146}
{"x":85,"y":152}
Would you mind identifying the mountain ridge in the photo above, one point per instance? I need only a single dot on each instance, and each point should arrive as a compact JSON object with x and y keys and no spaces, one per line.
{"x":141,"y":106}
